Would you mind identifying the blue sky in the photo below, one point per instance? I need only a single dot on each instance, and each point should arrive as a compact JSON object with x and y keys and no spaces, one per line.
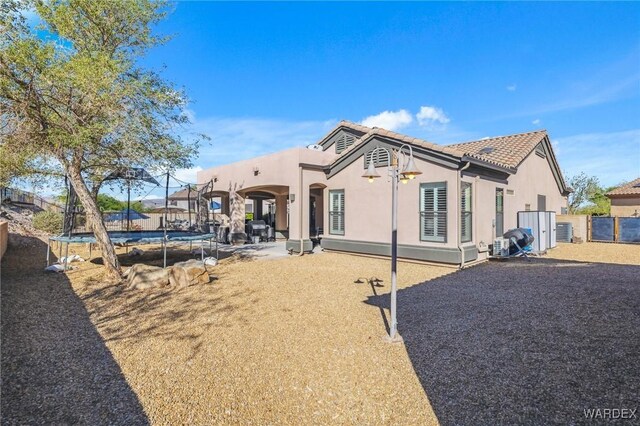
{"x":267,"y":76}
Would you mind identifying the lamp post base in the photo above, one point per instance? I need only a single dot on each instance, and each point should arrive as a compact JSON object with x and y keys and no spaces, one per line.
{"x":397,"y":339}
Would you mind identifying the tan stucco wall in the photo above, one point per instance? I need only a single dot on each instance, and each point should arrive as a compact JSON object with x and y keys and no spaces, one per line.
{"x":4,"y":237}
{"x":534,"y":177}
{"x":368,"y":205}
{"x":625,"y":207}
{"x":279,"y":173}
{"x":579,"y":223}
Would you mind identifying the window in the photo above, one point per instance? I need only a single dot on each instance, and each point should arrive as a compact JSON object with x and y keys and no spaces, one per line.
{"x":465,"y":212}
{"x":433,"y":212}
{"x":499,"y":212}
{"x":336,"y":212}
{"x":542,"y":203}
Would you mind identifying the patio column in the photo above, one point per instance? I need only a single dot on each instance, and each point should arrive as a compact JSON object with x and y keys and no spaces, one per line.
{"x":237,"y":215}
{"x":225,"y":205}
{"x":281,"y":215}
{"x":257,"y":209}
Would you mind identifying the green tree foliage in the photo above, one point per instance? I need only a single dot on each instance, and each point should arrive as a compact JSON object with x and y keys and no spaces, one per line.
{"x":73,"y":96}
{"x":589,"y":196}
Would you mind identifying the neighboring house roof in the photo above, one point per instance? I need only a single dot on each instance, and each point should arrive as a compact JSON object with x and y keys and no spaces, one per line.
{"x":183,"y":194}
{"x":631,"y":188}
{"x":507,"y":151}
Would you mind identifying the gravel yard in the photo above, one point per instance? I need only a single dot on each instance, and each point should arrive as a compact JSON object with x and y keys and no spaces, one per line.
{"x":296,"y":341}
{"x":522,"y":342}
{"x":284,"y":341}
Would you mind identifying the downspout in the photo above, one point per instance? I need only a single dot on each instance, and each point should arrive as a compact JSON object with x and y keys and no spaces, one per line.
{"x":300,"y":197}
{"x":459,"y":213}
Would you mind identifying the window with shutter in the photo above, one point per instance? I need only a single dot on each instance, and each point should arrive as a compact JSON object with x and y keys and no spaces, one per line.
{"x":433,"y":212}
{"x":380,"y":158}
{"x":465,"y":212}
{"x":336,"y":212}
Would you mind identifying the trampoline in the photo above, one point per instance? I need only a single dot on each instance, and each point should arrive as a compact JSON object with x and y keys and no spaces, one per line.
{"x":198,"y":230}
{"x":138,"y":237}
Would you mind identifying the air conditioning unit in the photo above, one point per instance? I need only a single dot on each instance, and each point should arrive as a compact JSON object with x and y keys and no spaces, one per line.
{"x":501,"y":247}
{"x":315,"y":147}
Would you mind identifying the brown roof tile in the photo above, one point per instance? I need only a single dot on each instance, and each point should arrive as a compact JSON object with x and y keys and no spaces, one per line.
{"x":631,"y":188}
{"x":508,"y":151}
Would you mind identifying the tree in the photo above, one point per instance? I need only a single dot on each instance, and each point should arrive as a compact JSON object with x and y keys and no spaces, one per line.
{"x":73,"y":92}
{"x":584,"y":187}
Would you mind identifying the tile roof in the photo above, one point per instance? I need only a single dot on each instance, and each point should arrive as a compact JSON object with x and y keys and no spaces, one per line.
{"x":631,"y":188}
{"x":183,"y":194}
{"x":354,"y":126}
{"x":404,"y":139}
{"x":508,"y":151}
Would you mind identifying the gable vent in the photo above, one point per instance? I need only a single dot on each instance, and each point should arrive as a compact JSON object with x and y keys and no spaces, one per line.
{"x":344,"y":142}
{"x":380,"y":158}
{"x":540,"y":151}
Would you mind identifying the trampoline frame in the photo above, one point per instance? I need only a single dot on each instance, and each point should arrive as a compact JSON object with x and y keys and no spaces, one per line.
{"x":133,"y":237}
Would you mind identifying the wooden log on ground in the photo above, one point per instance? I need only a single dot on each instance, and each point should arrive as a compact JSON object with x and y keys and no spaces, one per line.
{"x":142,"y":277}
{"x":190,"y":272}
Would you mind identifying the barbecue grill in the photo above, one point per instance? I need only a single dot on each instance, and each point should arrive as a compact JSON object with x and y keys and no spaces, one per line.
{"x":256,"y":230}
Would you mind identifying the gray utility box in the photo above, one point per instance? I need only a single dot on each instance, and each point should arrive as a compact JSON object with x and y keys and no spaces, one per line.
{"x":543,"y":228}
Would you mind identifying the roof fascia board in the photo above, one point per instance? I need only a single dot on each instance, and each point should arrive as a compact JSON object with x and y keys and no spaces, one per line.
{"x":419,"y":152}
{"x":555,"y":167}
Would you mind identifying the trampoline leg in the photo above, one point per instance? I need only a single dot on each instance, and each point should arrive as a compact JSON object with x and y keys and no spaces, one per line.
{"x":190,"y":245}
{"x":164,"y":248}
{"x":66,"y":257}
{"x":59,"y":250}
{"x":90,"y":246}
{"x":202,"y":250}
{"x":48,"y":252}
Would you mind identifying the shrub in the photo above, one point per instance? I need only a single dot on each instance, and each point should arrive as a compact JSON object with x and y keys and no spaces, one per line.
{"x":47,"y":221}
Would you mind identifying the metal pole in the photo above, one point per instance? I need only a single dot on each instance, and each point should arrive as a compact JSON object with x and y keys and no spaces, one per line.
{"x":394,"y":250}
{"x":128,"y":204}
{"x":66,"y":257}
{"x":48,"y":251}
{"x":166,"y":207}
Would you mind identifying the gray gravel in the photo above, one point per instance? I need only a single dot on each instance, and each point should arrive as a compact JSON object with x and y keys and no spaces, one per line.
{"x":525,"y":343}
{"x":55,"y":366}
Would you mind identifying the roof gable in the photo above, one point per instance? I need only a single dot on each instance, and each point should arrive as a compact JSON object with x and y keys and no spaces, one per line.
{"x":342,"y":130}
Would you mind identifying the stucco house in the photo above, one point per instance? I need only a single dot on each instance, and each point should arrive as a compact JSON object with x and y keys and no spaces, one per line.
{"x":466,"y":195}
{"x":625,"y":200}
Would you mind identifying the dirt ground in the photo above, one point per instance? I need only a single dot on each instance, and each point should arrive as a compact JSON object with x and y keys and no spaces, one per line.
{"x":623,"y":254}
{"x":285,"y":341}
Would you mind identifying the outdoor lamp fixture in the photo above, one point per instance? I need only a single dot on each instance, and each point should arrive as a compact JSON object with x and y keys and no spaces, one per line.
{"x":401,"y":168}
{"x":371,"y":173}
